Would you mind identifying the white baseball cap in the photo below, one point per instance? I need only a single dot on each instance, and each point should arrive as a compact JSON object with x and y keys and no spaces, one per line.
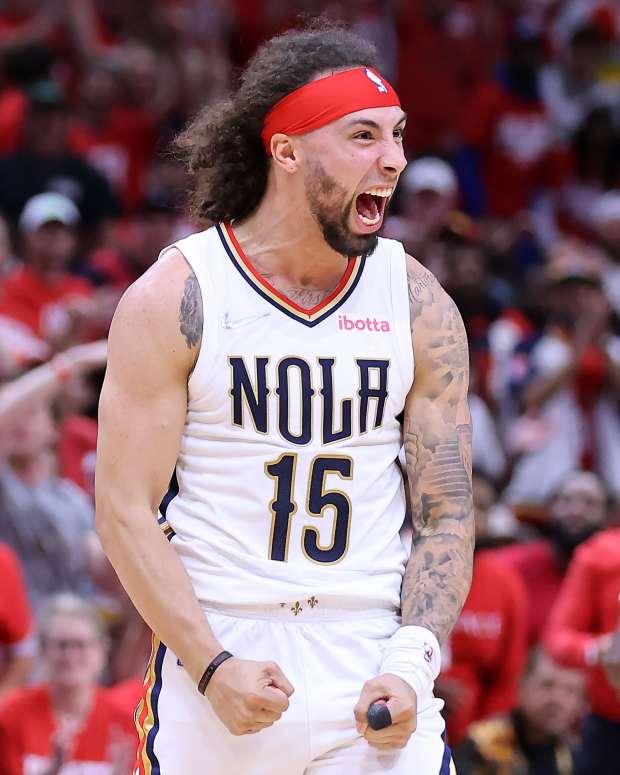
{"x":45,"y":208}
{"x":430,"y":174}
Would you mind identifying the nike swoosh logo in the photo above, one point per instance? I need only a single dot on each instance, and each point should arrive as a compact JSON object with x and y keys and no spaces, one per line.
{"x":228,"y":323}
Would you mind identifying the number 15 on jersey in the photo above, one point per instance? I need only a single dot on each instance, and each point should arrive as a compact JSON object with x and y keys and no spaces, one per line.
{"x":283,"y":507}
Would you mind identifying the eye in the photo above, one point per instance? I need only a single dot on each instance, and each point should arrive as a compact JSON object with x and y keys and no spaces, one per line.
{"x":365,"y":135}
{"x":399,"y":132}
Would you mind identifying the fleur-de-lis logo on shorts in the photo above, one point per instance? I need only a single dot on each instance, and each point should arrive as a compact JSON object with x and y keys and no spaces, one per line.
{"x":376,"y":80}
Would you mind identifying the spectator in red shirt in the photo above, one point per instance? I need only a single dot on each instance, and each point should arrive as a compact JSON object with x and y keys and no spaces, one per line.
{"x":42,"y":295}
{"x":77,"y":445}
{"x":24,"y":22}
{"x":576,"y":512}
{"x":116,"y":138}
{"x":445,"y":51}
{"x":12,"y":109}
{"x":579,"y":634}
{"x":509,"y":135}
{"x":45,"y":162}
{"x":488,"y":642}
{"x":16,"y":652}
{"x":141,"y":239}
{"x":68,"y":723}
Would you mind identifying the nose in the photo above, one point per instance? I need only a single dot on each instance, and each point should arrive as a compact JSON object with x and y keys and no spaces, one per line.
{"x":392,"y":160}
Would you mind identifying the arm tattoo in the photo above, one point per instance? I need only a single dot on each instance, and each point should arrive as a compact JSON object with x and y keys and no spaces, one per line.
{"x":190,"y":313}
{"x":437,"y":436}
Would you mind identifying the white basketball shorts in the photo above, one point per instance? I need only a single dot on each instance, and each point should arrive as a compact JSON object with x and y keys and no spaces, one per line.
{"x":327,"y":654}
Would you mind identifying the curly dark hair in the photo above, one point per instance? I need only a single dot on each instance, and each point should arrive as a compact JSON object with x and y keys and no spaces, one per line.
{"x":222,"y":146}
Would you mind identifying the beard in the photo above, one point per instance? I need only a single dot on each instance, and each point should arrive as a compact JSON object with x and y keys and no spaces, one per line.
{"x":325,"y":197}
{"x":567,"y":541}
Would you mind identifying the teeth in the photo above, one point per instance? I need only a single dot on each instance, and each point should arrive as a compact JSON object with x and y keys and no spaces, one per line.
{"x":384,"y":192}
{"x":368,"y":221}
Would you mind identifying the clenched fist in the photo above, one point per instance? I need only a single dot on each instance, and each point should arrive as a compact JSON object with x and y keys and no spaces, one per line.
{"x":402,"y":703}
{"x":248,"y":696}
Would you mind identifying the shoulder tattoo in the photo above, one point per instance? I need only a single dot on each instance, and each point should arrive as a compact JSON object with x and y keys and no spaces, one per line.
{"x":422,"y":286}
{"x":190,"y":312}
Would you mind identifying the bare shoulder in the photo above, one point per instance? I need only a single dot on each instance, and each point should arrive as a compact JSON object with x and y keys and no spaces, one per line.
{"x":425,"y":292}
{"x":162,"y":311}
{"x":428,"y":300}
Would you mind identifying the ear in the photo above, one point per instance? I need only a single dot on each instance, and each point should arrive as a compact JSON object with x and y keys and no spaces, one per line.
{"x":284,"y":153}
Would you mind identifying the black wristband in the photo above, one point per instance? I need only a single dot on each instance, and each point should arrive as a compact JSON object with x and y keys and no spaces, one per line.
{"x":212,"y":667}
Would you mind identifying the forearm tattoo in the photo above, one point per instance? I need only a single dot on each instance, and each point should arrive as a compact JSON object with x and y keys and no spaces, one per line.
{"x":190,"y":313}
{"x":437,"y":437}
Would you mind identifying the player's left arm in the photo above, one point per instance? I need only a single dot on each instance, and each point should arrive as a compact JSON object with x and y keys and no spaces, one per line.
{"x":437,"y":436}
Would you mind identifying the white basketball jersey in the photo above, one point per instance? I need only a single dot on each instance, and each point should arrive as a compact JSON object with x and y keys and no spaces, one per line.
{"x":288,"y":481}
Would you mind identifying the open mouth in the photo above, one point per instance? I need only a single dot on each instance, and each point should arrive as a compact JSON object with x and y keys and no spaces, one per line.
{"x":370,"y":205}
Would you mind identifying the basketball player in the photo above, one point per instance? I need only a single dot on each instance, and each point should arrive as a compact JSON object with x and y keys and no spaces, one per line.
{"x":269,"y":362}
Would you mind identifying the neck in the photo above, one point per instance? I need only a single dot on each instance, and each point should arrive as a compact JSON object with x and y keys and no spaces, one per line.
{"x":73,"y":701}
{"x":285,"y":243}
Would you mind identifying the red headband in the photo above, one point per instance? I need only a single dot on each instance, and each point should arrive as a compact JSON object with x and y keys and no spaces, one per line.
{"x":322,"y":101}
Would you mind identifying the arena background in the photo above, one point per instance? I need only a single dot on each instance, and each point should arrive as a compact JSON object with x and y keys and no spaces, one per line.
{"x":511,"y":197}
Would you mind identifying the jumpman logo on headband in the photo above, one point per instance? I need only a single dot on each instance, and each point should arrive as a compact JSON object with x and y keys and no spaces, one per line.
{"x":376,"y":80}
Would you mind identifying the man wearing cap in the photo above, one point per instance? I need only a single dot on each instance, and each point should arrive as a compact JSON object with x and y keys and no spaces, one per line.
{"x":42,"y":295}
{"x":268,"y":362}
{"x":429,"y":193}
{"x":44,"y":162}
{"x":583,"y":631}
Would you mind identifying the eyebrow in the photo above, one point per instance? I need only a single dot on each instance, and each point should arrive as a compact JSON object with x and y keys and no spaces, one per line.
{"x":373,"y":124}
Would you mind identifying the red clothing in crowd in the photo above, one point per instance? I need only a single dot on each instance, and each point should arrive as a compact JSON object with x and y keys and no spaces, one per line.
{"x":120,"y":149}
{"x":112,"y":269}
{"x":28,"y":727}
{"x":488,"y":645}
{"x":586,"y":608}
{"x":77,"y":445}
{"x":537,"y":565}
{"x":15,"y":614}
{"x":41,"y":306}
{"x":439,"y":67}
{"x":127,"y":694}
{"x":12,"y":112}
{"x":515,"y":139}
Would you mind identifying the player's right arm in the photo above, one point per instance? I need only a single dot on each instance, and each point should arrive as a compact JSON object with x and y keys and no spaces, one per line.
{"x":153,"y":344}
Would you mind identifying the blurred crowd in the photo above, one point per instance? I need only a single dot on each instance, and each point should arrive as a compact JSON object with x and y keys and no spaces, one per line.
{"x":511,"y":197}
